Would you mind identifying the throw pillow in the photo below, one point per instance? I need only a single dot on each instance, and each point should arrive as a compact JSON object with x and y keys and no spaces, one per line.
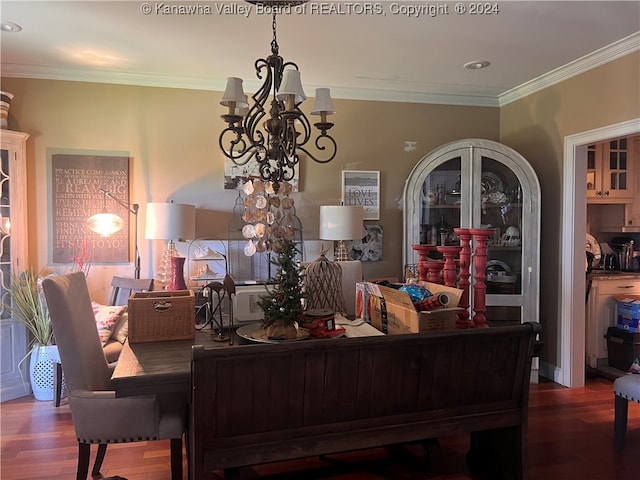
{"x":106,"y":317}
{"x":121,"y":328}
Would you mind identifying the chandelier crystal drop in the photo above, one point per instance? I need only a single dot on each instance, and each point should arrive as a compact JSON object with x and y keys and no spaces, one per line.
{"x":275,"y":135}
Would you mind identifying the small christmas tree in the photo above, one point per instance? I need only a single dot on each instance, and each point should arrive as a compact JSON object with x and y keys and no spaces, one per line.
{"x":283,"y":304}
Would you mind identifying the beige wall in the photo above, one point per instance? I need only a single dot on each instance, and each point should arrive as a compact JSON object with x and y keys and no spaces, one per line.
{"x":536,"y":126}
{"x":172,"y":138}
{"x":171,"y":135}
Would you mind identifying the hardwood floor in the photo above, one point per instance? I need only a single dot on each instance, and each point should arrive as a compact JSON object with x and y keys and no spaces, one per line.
{"x":570,"y":437}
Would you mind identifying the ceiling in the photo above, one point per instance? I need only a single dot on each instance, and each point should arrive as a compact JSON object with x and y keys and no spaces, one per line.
{"x":384,"y":55}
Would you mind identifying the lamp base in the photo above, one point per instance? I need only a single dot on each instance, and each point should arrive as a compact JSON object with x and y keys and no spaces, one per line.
{"x":342,"y":254}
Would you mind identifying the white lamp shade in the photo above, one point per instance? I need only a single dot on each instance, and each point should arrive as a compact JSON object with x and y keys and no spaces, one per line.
{"x":170,"y":221}
{"x":341,"y":222}
{"x":291,"y":85}
{"x":234,"y":93}
{"x":323,"y":102}
{"x":106,"y":224}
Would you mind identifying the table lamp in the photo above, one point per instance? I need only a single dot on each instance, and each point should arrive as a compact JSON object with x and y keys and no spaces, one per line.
{"x":171,"y":221}
{"x":340,"y":223}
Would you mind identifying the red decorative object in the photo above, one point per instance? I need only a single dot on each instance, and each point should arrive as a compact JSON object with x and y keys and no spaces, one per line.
{"x":434,"y":270}
{"x":423,"y":252}
{"x":480,"y":235}
{"x":450,"y":253}
{"x":177,"y":274}
{"x":464,"y":284}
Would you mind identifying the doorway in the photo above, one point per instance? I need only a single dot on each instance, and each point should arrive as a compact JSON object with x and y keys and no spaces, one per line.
{"x":571,"y":370}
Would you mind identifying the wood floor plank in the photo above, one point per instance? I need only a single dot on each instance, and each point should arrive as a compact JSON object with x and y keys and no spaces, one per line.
{"x":570,"y":437}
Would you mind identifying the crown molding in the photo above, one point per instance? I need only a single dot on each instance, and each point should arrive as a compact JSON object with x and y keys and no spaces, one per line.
{"x":590,"y":61}
{"x":595,"y":59}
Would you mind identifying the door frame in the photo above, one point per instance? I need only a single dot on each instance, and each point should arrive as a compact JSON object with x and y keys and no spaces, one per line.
{"x":570,"y":372}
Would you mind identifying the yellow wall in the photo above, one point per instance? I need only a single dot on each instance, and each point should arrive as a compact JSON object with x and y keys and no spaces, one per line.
{"x":172,"y":138}
{"x":536,"y":127}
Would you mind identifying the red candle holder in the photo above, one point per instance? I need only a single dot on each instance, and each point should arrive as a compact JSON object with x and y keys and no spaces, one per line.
{"x":434,"y":270}
{"x":449,"y":272}
{"x":481,"y":236}
{"x":423,"y":252}
{"x":463,"y":320}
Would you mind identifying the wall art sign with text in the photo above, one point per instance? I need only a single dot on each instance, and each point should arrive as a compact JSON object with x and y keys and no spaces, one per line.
{"x":362,"y":187}
{"x":76,"y":181}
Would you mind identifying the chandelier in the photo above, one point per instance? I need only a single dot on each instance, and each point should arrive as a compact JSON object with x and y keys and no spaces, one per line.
{"x":277,"y":143}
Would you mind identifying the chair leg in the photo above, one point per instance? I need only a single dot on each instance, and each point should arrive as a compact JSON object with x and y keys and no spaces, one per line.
{"x":621,"y":408}
{"x":57,"y":383}
{"x":97,"y":465}
{"x":176,"y":458}
{"x":84,"y":451}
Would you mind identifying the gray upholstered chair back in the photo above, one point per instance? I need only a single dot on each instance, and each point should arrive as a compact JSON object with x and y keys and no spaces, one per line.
{"x":74,"y":327}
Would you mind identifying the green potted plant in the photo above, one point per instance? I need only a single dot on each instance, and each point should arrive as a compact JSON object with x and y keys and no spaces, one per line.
{"x":28,"y":306}
{"x":282,"y":306}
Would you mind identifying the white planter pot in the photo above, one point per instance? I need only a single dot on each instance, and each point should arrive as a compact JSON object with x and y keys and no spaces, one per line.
{"x":41,"y":371}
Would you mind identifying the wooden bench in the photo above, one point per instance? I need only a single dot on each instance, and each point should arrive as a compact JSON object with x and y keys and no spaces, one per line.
{"x":256,"y":404}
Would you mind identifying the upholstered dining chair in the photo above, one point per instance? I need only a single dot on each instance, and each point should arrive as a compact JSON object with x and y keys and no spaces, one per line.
{"x":625,"y":388}
{"x":98,"y":416}
{"x":121,"y":290}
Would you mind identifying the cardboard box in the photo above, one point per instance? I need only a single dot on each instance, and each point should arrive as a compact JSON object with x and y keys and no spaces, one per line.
{"x":161,"y":316}
{"x":623,"y":347}
{"x":393,"y":312}
{"x":628,"y":312}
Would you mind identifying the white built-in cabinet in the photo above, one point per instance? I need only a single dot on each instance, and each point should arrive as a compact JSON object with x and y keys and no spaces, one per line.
{"x":610,"y":171}
{"x":632,"y":208}
{"x":480,"y":183}
{"x":13,"y":255}
{"x":602,"y":314}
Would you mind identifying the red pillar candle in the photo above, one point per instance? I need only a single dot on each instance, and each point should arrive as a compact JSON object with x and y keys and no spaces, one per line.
{"x":450,"y":253}
{"x":423,"y":252}
{"x":480,"y":235}
{"x":464,"y":318}
{"x":434,"y":270}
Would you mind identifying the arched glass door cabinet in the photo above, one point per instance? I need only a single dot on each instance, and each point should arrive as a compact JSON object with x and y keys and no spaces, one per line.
{"x":476,"y":184}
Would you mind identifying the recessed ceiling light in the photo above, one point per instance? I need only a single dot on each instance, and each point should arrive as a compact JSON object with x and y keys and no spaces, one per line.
{"x":476,"y":65}
{"x":9,"y":26}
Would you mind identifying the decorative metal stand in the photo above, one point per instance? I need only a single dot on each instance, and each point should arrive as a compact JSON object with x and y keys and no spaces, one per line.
{"x":423,"y":252}
{"x":463,"y":320}
{"x":480,"y":235}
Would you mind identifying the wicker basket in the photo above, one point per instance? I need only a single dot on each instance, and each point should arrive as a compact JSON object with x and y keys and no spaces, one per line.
{"x":161,"y":316}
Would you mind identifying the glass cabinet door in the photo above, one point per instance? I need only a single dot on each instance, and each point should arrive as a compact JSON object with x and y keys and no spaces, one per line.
{"x":480,"y":184}
{"x":13,"y":253}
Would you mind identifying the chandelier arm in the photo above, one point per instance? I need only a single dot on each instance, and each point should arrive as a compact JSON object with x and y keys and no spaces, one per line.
{"x":331,"y":148}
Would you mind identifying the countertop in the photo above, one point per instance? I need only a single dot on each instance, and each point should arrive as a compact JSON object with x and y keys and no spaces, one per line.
{"x":613,"y":275}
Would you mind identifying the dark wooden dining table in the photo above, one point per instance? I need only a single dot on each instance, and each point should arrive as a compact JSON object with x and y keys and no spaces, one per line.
{"x":161,"y":367}
{"x":165,"y":366}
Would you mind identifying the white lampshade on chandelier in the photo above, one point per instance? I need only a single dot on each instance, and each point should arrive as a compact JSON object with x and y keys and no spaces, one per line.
{"x":340,"y":223}
{"x":275,"y":143}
